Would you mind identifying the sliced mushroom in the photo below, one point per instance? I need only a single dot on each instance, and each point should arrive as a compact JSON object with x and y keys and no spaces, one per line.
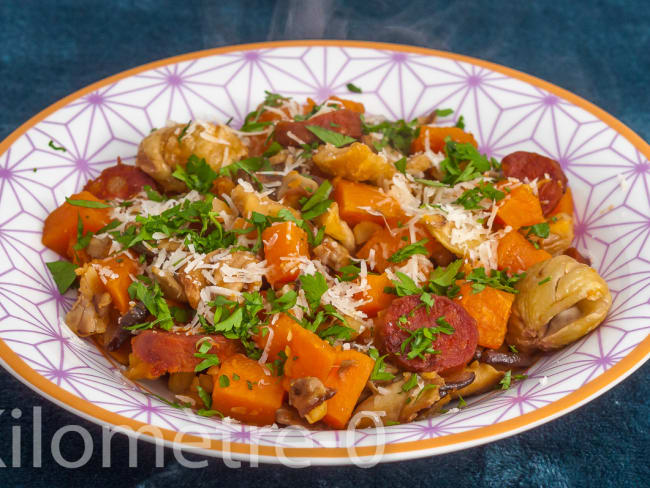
{"x":170,"y":287}
{"x":90,"y":314}
{"x":509,"y":360}
{"x":458,"y":381}
{"x":308,"y":396}
{"x":99,"y":247}
{"x":486,"y":377}
{"x":332,"y":254}
{"x":136,"y":315}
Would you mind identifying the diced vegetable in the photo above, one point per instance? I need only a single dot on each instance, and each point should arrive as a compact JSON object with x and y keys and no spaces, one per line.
{"x":379,"y":299}
{"x":279,"y":332}
{"x":285,"y":247}
{"x":60,"y":229}
{"x":349,"y":104}
{"x":437,"y":137}
{"x":565,"y":205}
{"x":348,"y":377}
{"x":386,"y":243}
{"x":308,"y":355}
{"x":122,"y":268}
{"x":245,"y":392}
{"x":491,"y":310}
{"x":359,"y":202}
{"x":516,"y":254}
{"x":520,"y":208}
{"x":356,"y":162}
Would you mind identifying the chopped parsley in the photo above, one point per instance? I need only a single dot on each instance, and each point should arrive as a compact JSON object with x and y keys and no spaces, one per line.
{"x":318,"y":203}
{"x":400,"y":164}
{"x":249,"y":166}
{"x":399,"y":135}
{"x":329,"y":136}
{"x":353,"y":88}
{"x":197,"y":174}
{"x":273,"y":149}
{"x":513,"y":349}
{"x":183,"y":132}
{"x":314,"y":287}
{"x":443,"y":112}
{"x":282,"y":303}
{"x":150,"y":294}
{"x":460,"y":123}
{"x":472,"y":198}
{"x":463,"y":162}
{"x":540,"y":230}
{"x":379,"y":372}
{"x":205,"y":397}
{"x":87,"y":203}
{"x":411,"y":383}
{"x":496,"y":279}
{"x":224,"y":382}
{"x":408,"y":251}
{"x":349,"y":272}
{"x":63,"y":274}
{"x":508,"y":377}
{"x":545,"y":280}
{"x":55,"y":147}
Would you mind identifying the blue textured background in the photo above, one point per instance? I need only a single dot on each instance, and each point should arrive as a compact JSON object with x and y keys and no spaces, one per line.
{"x":597,"y":49}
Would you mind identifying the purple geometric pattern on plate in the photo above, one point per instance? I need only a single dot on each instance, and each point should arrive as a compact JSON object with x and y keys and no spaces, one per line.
{"x":609,"y":178}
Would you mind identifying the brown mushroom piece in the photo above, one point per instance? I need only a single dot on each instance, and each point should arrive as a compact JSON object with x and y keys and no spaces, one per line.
{"x":90,"y":314}
{"x":332,"y":254}
{"x":558,"y":301}
{"x":308,"y":396}
{"x":169,"y":285}
{"x":164,"y":149}
{"x":135,"y":315}
{"x":507,"y":359}
{"x":99,"y":247}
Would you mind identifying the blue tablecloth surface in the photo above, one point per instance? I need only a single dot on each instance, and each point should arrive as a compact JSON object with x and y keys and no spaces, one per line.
{"x":599,"y":50}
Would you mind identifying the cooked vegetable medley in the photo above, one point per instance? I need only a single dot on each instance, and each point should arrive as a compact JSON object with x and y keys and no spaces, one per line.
{"x":321,"y":261}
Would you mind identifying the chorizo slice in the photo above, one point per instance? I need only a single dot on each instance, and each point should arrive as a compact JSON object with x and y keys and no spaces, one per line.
{"x":166,"y":352}
{"x":120,"y":181}
{"x":552,"y":180}
{"x":453,"y":350}
{"x":343,"y":121}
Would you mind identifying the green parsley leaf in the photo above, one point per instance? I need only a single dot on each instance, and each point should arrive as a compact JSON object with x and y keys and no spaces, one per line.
{"x":443,"y":112}
{"x":337,"y":332}
{"x":411,"y":383}
{"x":273,"y":149}
{"x":197,"y":174}
{"x":505,"y":381}
{"x":461,"y":401}
{"x":153,"y":195}
{"x":329,"y":136}
{"x":63,"y":274}
{"x":224,"y":381}
{"x":461,"y":122}
{"x":432,"y":183}
{"x":314,"y":287}
{"x":405,"y":286}
{"x":471,"y":198}
{"x":183,"y":132}
{"x":87,"y":203}
{"x":55,"y":147}
{"x":205,"y":397}
{"x":400,"y":164}
{"x":459,"y":155}
{"x":497,"y":279}
{"x":153,"y":299}
{"x":353,"y":88}
{"x":408,"y":251}
{"x":513,"y":348}
{"x":540,"y":230}
{"x":282,"y":303}
{"x":209,"y":413}
{"x":249,"y":384}
{"x":545,"y":280}
{"x":349,"y":272}
{"x":379,"y":372}
{"x":318,"y":203}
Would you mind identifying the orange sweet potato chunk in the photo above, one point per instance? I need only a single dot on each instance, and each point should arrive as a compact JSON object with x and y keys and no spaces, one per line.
{"x":285,"y":246}
{"x":348,"y":377}
{"x":565,"y":205}
{"x":359,"y":202}
{"x":247,"y":394}
{"x":491,"y":310}
{"x":516,"y":254}
{"x":379,"y":299}
{"x":520,"y":208}
{"x":60,"y":228}
{"x":437,"y":137}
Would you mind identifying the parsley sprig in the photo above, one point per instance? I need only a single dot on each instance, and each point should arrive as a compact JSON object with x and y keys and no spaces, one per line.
{"x":463,"y":162}
{"x":472,"y":198}
{"x":399,"y":134}
{"x":197,"y":174}
{"x":496,"y":279}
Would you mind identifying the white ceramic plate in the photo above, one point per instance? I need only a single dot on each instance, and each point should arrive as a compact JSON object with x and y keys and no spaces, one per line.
{"x":607,"y":165}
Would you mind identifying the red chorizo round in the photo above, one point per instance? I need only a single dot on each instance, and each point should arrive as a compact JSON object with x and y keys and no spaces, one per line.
{"x":121,"y":181}
{"x":553,"y":181}
{"x":343,"y":121}
{"x":455,"y":350}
